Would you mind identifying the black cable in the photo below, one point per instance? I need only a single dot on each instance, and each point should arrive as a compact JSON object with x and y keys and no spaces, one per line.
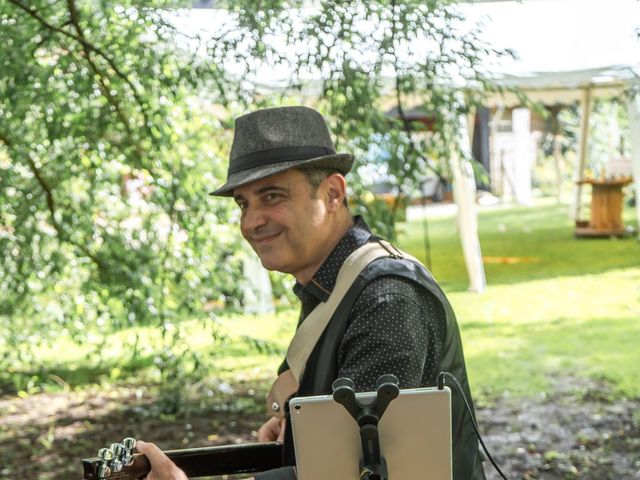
{"x":425,"y":233}
{"x":441,"y":376}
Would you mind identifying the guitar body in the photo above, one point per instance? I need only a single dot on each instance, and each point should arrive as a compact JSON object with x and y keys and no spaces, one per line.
{"x":198,"y":462}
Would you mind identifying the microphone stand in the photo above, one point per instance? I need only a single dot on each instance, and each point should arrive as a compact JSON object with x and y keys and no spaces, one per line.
{"x":367,"y":413}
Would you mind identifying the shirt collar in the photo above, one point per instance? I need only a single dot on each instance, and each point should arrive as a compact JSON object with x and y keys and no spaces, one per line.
{"x":323,"y":281}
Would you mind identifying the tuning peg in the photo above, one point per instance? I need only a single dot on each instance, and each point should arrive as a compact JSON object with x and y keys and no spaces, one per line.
{"x":129,"y":443}
{"x":103,"y":470}
{"x":116,"y":465}
{"x":105,"y":454}
{"x":117,"y":449}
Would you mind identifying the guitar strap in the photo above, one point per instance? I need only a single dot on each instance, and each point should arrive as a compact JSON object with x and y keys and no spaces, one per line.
{"x":310,"y":330}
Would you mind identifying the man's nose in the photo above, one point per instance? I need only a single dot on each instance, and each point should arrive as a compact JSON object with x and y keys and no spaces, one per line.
{"x":252,"y":218}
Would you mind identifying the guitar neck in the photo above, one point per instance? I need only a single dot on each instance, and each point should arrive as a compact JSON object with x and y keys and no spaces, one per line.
{"x":206,"y":461}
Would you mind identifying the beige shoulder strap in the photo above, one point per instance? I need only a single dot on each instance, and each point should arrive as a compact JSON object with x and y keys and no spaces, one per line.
{"x":311,"y":329}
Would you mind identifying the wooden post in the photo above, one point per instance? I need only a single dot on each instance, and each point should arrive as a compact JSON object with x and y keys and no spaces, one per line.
{"x":495,"y":158}
{"x":633,"y":109}
{"x":585,"y":108}
{"x":256,"y":287}
{"x":557,"y":162}
{"x":557,"y":149}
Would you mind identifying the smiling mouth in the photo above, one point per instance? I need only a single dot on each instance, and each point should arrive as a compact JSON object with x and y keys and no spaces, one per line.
{"x":264,"y":239}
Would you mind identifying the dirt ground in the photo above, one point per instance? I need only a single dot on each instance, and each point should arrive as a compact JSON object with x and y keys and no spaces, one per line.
{"x":573,"y":432}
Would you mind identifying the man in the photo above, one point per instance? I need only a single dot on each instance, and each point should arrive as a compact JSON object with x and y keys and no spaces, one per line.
{"x":290,"y":186}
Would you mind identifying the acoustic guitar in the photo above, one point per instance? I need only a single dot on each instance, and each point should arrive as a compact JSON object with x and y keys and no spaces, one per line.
{"x":119,"y":462}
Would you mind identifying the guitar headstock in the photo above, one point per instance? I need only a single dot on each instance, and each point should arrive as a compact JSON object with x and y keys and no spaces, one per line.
{"x":118,"y":462}
{"x":110,"y":461}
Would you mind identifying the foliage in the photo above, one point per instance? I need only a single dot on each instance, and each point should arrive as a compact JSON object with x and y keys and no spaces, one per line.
{"x":103,"y":163}
{"x":562,"y":124}
{"x":363,"y":58}
{"x":608,"y":131}
{"x":610,"y":135}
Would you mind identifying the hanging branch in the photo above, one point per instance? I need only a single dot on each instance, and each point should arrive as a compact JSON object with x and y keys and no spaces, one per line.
{"x":79,"y":37}
{"x":51,"y":206}
{"x":113,"y":101}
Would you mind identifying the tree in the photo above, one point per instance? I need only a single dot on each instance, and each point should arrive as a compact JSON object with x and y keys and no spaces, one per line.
{"x":104,"y":164}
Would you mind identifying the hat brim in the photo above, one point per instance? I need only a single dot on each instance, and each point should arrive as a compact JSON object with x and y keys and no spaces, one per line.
{"x":342,"y":162}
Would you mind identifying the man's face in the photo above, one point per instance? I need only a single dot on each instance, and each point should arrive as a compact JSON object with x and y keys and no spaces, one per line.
{"x":285,"y":223}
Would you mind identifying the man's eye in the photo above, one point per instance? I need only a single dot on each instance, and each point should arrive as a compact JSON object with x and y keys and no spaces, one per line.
{"x":271,"y":197}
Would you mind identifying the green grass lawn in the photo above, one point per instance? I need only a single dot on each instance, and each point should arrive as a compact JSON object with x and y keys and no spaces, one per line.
{"x":555,"y":306}
{"x":517,"y":337}
{"x":538,"y":240}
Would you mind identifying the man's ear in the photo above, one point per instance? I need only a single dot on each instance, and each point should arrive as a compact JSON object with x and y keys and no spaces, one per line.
{"x":335,"y":190}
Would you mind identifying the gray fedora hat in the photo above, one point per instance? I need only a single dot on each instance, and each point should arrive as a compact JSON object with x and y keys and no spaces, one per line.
{"x":272,"y":140}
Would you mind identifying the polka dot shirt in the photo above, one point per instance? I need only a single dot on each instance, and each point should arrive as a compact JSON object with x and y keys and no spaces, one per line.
{"x":395,"y":326}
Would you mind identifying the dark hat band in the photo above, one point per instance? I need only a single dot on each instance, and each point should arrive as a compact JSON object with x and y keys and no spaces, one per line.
{"x":285,"y":154}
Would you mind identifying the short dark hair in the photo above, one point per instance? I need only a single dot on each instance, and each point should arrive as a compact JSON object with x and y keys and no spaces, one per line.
{"x":315,"y":176}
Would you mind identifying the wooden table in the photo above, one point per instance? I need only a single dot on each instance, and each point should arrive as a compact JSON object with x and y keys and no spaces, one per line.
{"x":606,"y":208}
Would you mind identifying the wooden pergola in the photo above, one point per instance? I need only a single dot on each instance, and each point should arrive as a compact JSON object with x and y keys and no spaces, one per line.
{"x":583,"y":86}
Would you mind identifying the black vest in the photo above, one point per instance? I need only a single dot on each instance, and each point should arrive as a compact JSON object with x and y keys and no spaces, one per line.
{"x":322,"y":366}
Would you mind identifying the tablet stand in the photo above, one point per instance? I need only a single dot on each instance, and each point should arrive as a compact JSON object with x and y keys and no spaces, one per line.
{"x":367,"y":414}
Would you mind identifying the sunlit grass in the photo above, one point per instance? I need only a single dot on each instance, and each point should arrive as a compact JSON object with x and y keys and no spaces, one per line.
{"x":520,"y":244}
{"x":557,"y":306}
{"x":518,"y":337}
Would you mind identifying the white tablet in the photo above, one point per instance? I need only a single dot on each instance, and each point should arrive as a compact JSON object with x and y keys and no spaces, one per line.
{"x":415,"y":436}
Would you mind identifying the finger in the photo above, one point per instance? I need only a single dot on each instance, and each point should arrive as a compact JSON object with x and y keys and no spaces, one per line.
{"x":263,"y":435}
{"x":157,"y":458}
{"x":162,"y":468}
{"x":283,"y":426}
{"x":268,"y":432}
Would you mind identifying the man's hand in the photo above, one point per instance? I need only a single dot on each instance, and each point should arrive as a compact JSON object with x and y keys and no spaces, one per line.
{"x":272,"y":430}
{"x":162,"y":468}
